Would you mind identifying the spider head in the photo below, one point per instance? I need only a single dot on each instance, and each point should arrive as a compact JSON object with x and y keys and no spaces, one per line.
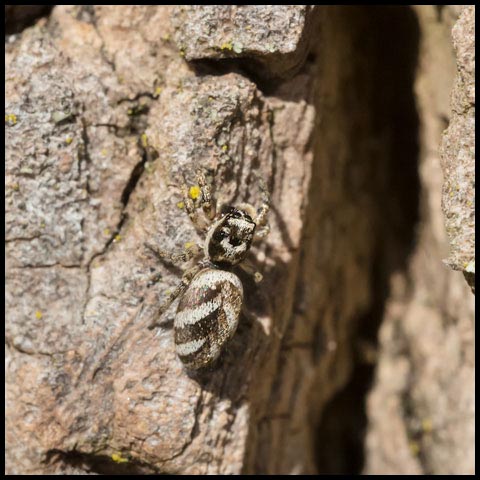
{"x":230,"y":238}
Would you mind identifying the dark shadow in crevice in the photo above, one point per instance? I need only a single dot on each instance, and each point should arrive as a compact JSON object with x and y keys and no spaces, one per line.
{"x":392,"y":35}
{"x":251,"y":69}
{"x":246,"y":67}
{"x":93,"y":463}
{"x":258,"y":69}
{"x":19,"y":17}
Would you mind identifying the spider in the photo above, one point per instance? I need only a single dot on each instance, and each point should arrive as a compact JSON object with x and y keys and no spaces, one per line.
{"x":211,"y":295}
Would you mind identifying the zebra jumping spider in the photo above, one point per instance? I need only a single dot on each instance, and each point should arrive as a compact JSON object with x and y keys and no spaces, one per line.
{"x":211,"y":295}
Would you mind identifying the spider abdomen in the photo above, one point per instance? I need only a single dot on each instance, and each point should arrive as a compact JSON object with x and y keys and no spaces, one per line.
{"x":207,"y":316}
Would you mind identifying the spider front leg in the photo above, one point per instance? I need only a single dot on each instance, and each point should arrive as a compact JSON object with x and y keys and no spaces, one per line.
{"x":197,"y":196}
{"x":262,"y":232}
{"x":191,"y":251}
{"x":207,"y":201}
{"x":189,"y":199}
{"x":260,"y":214}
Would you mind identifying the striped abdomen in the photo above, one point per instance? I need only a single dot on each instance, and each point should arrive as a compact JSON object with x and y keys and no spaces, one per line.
{"x":207,"y":316}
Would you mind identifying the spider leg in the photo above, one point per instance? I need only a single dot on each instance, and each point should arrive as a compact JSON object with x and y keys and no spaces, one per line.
{"x":190,"y":252}
{"x":207,"y":201}
{"x":262,"y":232}
{"x":199,"y":223}
{"x":249,"y":268}
{"x":179,"y":289}
{"x":262,"y":212}
{"x":259,"y":215}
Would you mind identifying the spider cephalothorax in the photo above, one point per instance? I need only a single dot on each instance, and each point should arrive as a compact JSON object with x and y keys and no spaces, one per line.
{"x":211,"y":295}
{"x":230,"y":238}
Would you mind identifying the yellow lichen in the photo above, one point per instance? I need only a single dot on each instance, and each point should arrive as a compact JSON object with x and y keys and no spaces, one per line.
{"x":227,"y":46}
{"x":10,"y":118}
{"x":68,"y":140}
{"x":117,"y":238}
{"x":470,"y":267}
{"x":414,"y":447}
{"x":106,"y":232}
{"x":194,"y":192}
{"x":104,"y":152}
{"x":38,"y":315}
{"x":117,"y":458}
{"x":182,"y":52}
{"x":427,"y":425}
{"x":158,"y":91}
{"x":225,"y":148}
{"x":189,"y":245}
{"x":166,"y":37}
{"x":181,"y":204}
{"x":144,"y":140}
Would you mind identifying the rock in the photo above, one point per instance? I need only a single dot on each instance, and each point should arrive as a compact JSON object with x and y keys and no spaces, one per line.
{"x":421,"y":407}
{"x":105,"y":122}
{"x":458,"y":153}
{"x":114,"y":148}
{"x":273,"y":39}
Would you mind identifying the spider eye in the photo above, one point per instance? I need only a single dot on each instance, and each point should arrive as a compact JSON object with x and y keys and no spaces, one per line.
{"x":232,"y":212}
{"x":227,"y":210}
{"x":224,"y":232}
{"x":235,"y":242}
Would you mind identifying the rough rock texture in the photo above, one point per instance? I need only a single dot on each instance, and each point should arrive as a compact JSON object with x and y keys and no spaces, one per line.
{"x":421,"y":408}
{"x":106,"y":152}
{"x":274,"y":38}
{"x":105,"y":120}
{"x":458,"y":152}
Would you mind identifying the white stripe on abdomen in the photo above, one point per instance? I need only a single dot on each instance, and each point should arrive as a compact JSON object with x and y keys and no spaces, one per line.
{"x":190,"y":347}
